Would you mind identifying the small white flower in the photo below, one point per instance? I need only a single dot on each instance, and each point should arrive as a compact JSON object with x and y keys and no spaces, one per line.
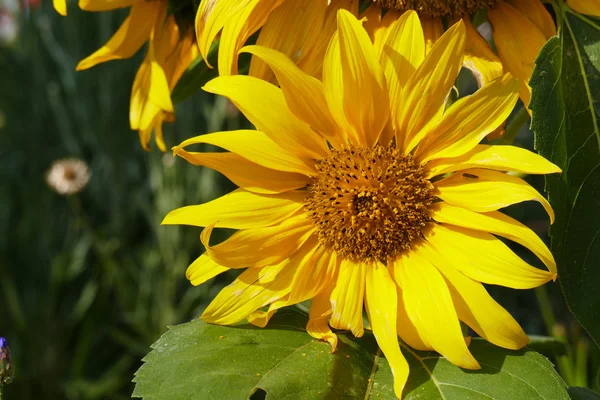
{"x":68,"y":176}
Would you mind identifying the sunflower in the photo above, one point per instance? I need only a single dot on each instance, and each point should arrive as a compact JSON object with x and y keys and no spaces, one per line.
{"x":364,"y":189}
{"x":298,"y":28}
{"x":170,"y":51}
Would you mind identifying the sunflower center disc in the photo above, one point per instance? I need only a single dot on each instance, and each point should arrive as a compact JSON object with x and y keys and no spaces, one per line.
{"x":369,"y":203}
{"x":437,"y":8}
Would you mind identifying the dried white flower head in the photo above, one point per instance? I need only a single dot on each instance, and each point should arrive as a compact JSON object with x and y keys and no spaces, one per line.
{"x":68,"y":176}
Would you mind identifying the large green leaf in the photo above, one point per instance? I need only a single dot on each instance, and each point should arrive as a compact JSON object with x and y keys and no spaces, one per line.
{"x":201,"y":361}
{"x":566,"y":117}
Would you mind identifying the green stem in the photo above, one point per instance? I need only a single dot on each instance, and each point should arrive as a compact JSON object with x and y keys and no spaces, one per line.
{"x":514,"y":126}
{"x":564,"y":363}
{"x":546,"y":307}
{"x":581,"y":368}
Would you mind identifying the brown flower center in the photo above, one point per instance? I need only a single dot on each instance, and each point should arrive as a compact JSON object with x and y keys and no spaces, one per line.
{"x":437,"y":8}
{"x":369,"y":203}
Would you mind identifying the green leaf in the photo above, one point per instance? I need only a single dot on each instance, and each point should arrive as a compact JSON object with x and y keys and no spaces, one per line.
{"x":566,"y":117}
{"x":548,"y":346}
{"x":579,"y":393}
{"x":196,"y":75}
{"x":201,"y":361}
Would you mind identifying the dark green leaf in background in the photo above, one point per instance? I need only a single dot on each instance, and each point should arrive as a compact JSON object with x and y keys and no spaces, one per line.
{"x":201,"y":361}
{"x":566,"y":115}
{"x":579,"y":393}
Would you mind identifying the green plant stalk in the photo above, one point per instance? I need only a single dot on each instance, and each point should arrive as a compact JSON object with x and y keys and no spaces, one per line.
{"x":581,"y":366}
{"x":514,"y":126}
{"x":565,"y":363}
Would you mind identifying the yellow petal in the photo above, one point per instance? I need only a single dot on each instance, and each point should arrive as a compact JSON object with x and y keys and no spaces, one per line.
{"x":253,"y":289}
{"x":203,"y":269}
{"x":254,"y":146}
{"x":314,"y":275}
{"x":260,"y":247}
{"x":333,"y":82}
{"x":429,"y":306}
{"x":130,"y":36}
{"x":347,"y":298}
{"x":155,"y":126}
{"x":405,"y":327}
{"x":265,"y":107}
{"x":381,"y":299}
{"x":588,"y":7}
{"x":60,"y":6}
{"x":105,"y":5}
{"x":469,"y":120}
{"x":212,"y":15}
{"x":401,"y":54}
{"x":318,"y":318}
{"x":261,"y":318}
{"x":433,"y":28}
{"x":535,"y":11}
{"x":477,"y":309}
{"x":365,"y":96}
{"x":432,"y":81}
{"x":239,"y":210}
{"x":150,"y":93}
{"x":484,"y":190}
{"x":308,"y":255}
{"x":304,"y":94}
{"x":291,"y":30}
{"x":371,"y":21}
{"x":239,"y":29}
{"x":484,"y":258}
{"x":479,"y":56}
{"x":518,"y":40}
{"x":247,"y":174}
{"x":502,"y":158}
{"x":312,"y":63}
{"x":497,"y":223}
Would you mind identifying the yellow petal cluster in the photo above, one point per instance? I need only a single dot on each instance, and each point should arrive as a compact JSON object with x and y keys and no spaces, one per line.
{"x":299,"y":28}
{"x":382,"y":90}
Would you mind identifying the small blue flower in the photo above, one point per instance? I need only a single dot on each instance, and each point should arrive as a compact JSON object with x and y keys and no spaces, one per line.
{"x":6,"y":371}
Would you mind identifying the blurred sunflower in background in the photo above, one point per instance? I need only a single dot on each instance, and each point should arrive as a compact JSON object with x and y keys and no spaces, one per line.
{"x":299,"y":28}
{"x":171,"y":49}
{"x":363,"y":189}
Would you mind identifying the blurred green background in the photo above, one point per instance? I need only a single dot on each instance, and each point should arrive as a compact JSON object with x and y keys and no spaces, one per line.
{"x":88,"y":282}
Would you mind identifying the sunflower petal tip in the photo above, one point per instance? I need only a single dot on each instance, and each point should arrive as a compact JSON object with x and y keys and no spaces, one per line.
{"x":471,"y":363}
{"x":168,"y":219}
{"x":333,"y":341}
{"x":194,"y":282}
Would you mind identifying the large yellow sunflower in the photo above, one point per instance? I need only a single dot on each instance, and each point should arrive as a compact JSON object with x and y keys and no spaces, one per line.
{"x":170,"y":52}
{"x":363,"y":189}
{"x":298,"y":28}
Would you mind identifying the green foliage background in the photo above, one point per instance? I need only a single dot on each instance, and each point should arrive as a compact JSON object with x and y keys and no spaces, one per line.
{"x":88,"y":283}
